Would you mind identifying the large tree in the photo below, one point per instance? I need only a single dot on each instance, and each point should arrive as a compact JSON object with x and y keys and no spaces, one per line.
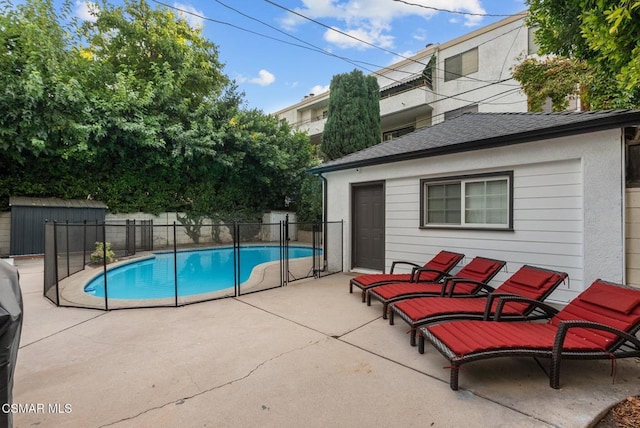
{"x":41,"y":100}
{"x":133,"y":109}
{"x":353,"y":121}
{"x":600,"y":41}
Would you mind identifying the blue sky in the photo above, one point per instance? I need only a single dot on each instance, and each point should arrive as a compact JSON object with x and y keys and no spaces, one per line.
{"x":277,"y":57}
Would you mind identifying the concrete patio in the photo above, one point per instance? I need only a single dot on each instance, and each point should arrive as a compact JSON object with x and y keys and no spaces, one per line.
{"x":309,"y":354}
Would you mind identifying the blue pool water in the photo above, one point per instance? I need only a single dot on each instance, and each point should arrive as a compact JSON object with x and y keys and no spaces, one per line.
{"x":199,"y":271}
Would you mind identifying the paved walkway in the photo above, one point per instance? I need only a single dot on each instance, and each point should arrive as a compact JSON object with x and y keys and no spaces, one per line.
{"x":307,"y":355}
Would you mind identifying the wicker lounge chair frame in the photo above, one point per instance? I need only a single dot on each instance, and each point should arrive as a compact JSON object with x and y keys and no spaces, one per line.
{"x":465,"y":276}
{"x":487,"y":293}
{"x":624,"y":343}
{"x":417,"y":271}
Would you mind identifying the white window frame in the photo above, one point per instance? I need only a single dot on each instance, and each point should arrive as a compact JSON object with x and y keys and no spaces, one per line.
{"x":463,"y":181}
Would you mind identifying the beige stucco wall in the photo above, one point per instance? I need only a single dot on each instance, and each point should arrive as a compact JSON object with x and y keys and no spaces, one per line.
{"x":5,"y":233}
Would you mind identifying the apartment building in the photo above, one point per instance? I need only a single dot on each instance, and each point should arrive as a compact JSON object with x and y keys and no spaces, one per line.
{"x":471,"y":73}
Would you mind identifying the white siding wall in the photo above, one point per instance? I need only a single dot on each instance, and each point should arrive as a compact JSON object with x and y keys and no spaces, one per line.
{"x":567,"y":208}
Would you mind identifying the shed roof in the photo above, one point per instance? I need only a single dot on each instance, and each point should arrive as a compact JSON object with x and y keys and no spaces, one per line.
{"x":23,"y":201}
{"x":474,"y":131}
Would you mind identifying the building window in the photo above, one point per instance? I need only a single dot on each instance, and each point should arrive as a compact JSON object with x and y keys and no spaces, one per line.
{"x":448,"y":115}
{"x":461,"y":65}
{"x":478,"y":201}
{"x":632,"y":140}
{"x":532,"y":45}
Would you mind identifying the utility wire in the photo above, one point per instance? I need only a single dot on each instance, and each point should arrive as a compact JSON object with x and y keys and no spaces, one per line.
{"x":320,"y":50}
{"x":338,"y":31}
{"x":412,"y":59}
{"x":457,"y":12}
{"x":314,"y":48}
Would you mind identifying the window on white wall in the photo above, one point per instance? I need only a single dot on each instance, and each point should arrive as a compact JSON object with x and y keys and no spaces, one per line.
{"x":461,"y":65}
{"x":632,"y":140}
{"x":474,"y":201}
{"x":533,"y":45}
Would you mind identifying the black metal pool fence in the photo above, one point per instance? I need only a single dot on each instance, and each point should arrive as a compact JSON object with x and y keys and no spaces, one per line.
{"x":76,"y":253}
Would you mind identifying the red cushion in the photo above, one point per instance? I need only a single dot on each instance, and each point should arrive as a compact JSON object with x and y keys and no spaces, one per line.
{"x":619,"y":300}
{"x":531,"y":282}
{"x":479,"y":265}
{"x":390,"y":291}
{"x":479,"y":269}
{"x":444,"y":260}
{"x":528,"y":277}
{"x":376,"y":278}
{"x":466,"y":337}
{"x":582,"y":308}
{"x":428,"y":276}
{"x":427,"y":307}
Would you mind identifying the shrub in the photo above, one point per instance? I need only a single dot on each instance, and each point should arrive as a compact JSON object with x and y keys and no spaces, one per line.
{"x":99,"y":254}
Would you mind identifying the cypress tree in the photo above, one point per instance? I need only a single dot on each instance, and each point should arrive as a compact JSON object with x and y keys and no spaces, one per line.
{"x":353,"y":121}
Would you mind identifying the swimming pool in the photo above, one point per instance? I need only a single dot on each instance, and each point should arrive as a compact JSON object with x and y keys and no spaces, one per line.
{"x":198,"y":272}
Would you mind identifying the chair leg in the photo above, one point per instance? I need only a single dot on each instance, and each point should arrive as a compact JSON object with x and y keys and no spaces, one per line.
{"x":554,"y":375}
{"x":363,"y":294}
{"x":453,"y":380}
{"x":368,"y":299}
{"x":412,"y":336}
{"x":391,"y":316}
{"x":385,"y":308}
{"x":420,"y":342}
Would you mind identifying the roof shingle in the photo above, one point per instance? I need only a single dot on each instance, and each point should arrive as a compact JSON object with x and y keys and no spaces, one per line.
{"x":473,"y":131}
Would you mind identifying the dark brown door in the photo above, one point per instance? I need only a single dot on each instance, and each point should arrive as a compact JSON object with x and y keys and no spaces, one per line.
{"x":368,"y":226}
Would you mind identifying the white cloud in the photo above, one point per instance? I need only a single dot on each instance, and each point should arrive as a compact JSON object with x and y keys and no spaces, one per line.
{"x":192,"y":15}
{"x":355,"y":38}
{"x":84,"y":10}
{"x":420,"y":35}
{"x":264,"y":78}
{"x":372,"y":20}
{"x":319,"y":89}
{"x":472,"y":21}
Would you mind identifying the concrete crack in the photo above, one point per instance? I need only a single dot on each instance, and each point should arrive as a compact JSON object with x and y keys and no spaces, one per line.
{"x":214,"y":388}
{"x":63,"y":330}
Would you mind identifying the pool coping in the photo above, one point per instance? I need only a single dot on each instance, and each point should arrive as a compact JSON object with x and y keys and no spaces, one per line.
{"x":71,"y":289}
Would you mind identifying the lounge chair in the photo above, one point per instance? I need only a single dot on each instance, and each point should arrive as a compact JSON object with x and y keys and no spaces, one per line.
{"x":468,"y":280}
{"x":529,"y":281}
{"x":600,"y":323}
{"x":434,"y":270}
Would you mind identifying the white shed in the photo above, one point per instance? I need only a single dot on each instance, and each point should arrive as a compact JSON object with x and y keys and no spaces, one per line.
{"x":527,"y":188}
